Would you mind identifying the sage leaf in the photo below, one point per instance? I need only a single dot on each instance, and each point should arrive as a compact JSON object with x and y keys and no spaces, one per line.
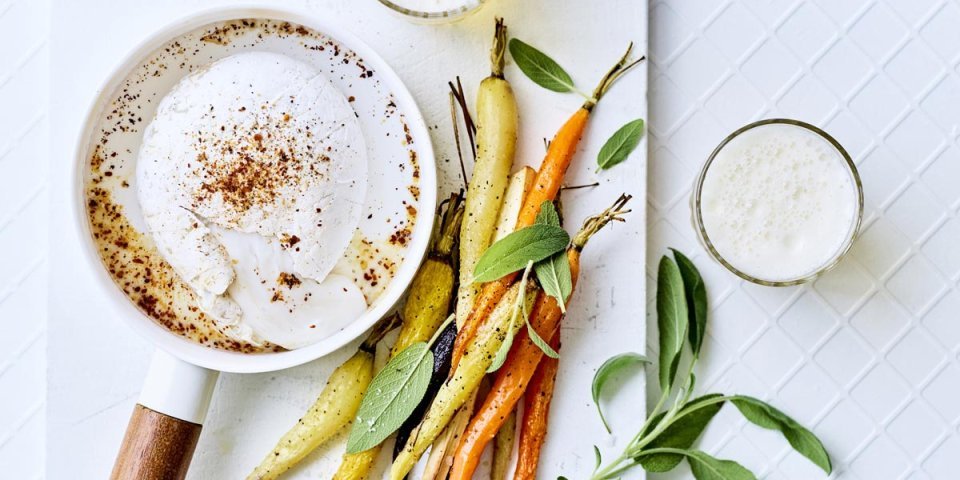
{"x":696,"y":293}
{"x":691,"y":385}
{"x":501,"y":356}
{"x":555,"y":278}
{"x":513,"y":252}
{"x":540,"y":68}
{"x":705,"y":467}
{"x":671,"y":319}
{"x":687,"y":427}
{"x":519,"y":309}
{"x":391,"y":397}
{"x":802,"y":440}
{"x":540,"y":342}
{"x":548,"y":214}
{"x":554,"y":272}
{"x":610,"y":367}
{"x":620,"y":145}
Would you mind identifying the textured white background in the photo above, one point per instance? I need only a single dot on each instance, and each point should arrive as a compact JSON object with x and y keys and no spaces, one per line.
{"x":24,"y":70}
{"x":869,"y":354}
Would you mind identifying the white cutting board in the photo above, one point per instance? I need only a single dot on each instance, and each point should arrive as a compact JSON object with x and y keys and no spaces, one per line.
{"x":96,"y":364}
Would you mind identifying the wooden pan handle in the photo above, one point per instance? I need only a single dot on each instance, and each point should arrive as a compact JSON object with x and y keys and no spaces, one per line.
{"x":155,"y":447}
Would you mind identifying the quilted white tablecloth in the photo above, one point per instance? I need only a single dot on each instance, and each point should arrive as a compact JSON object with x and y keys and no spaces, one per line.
{"x":24,"y":58}
{"x":868,"y":355}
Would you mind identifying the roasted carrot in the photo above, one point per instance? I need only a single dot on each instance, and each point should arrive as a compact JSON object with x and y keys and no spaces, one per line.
{"x":549,"y":179}
{"x":438,"y":461}
{"x":424,"y":311}
{"x":333,"y":410}
{"x":515,"y":374}
{"x":496,"y":138}
{"x":441,"y":349}
{"x":507,"y":389}
{"x":536,"y":410}
{"x":456,"y":390}
{"x":503,"y":448}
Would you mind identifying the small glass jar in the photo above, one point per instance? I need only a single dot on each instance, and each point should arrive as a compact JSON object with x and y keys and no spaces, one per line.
{"x":698,"y":222}
{"x":446,"y":11}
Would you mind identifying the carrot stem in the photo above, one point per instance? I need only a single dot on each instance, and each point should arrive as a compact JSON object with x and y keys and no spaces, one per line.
{"x":612,"y":75}
{"x":498,"y":49}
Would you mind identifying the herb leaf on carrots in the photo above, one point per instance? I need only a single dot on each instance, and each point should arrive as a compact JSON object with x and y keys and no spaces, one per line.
{"x":540,"y":342}
{"x":553,"y":273}
{"x":513,"y":252}
{"x":397,"y":390}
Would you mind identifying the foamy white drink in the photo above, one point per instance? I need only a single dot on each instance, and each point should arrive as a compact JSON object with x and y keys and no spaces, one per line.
{"x":431,"y":6}
{"x":779,"y":203}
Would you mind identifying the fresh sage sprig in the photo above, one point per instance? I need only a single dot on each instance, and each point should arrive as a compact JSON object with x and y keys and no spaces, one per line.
{"x":393,"y":395}
{"x":540,"y":247}
{"x":668,"y":435}
{"x":513,"y":252}
{"x":609,"y":368}
{"x":620,"y":145}
{"x":553,"y":272}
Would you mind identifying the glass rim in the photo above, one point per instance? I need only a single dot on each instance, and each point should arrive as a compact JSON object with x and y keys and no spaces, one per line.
{"x":841,"y":252}
{"x":453,"y":13}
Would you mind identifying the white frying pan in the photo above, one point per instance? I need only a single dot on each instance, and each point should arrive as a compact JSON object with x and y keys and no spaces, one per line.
{"x":402,"y":179}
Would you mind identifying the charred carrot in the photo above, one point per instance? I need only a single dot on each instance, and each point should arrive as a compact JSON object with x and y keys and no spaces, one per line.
{"x":455,"y":391}
{"x":536,"y":410}
{"x":545,"y":189}
{"x":441,"y":349}
{"x":424,"y":311}
{"x":515,"y":374}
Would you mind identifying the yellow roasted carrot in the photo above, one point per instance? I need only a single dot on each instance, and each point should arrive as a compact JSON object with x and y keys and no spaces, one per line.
{"x":427,"y":305}
{"x":334,"y":409}
{"x":503,"y":447}
{"x":441,"y":453}
{"x":496,"y":143}
{"x":455,"y":392}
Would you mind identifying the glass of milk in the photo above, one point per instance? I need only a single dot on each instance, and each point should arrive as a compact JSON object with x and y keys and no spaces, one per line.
{"x":433,"y":11}
{"x":778,"y":202}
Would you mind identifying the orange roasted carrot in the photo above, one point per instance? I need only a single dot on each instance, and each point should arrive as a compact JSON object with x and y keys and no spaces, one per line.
{"x":549,"y":179}
{"x":545,"y":188}
{"x":514,"y":376}
{"x":510,"y":383}
{"x":536,"y":410}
